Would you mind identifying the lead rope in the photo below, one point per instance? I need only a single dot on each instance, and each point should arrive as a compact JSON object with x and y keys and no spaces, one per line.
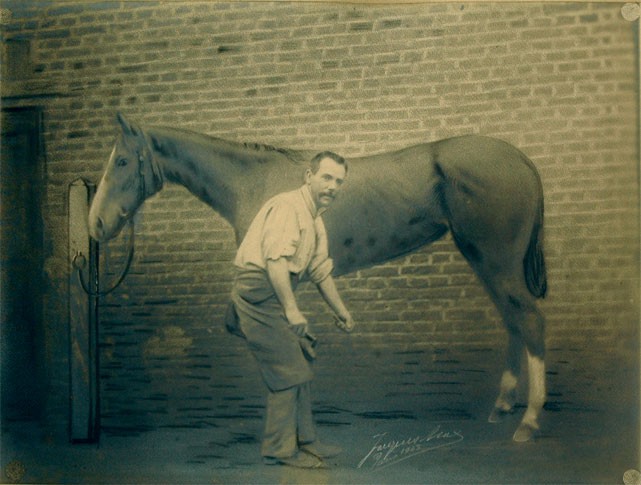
{"x":80,"y":263}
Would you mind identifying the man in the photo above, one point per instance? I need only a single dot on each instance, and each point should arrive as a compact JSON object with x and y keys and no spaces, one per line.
{"x":286,"y":242}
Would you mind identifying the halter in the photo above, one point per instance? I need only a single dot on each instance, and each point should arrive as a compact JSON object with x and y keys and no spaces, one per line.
{"x":145,"y":190}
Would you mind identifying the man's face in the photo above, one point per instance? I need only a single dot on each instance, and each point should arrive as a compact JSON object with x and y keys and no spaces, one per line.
{"x":326,"y":182}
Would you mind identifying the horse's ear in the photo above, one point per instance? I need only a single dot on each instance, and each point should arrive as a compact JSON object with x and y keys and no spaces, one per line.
{"x":127,"y":127}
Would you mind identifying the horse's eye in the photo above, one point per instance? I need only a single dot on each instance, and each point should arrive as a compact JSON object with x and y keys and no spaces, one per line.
{"x":121,"y":162}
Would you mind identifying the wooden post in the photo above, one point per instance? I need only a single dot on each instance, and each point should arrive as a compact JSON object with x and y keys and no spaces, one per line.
{"x":83,"y":319}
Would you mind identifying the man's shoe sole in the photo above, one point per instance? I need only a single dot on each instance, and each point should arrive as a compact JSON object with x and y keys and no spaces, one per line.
{"x":270,"y":461}
{"x":311,"y":451}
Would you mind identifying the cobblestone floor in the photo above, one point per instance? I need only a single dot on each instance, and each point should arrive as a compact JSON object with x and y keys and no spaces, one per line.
{"x":431,"y":414}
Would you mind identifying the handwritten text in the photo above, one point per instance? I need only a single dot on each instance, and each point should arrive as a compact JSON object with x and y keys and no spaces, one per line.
{"x":387,"y":451}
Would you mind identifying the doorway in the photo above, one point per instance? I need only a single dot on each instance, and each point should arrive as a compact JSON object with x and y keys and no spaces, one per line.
{"x":21,"y":263}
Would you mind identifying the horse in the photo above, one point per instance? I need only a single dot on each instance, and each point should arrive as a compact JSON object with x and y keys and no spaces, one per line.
{"x":486,"y":192}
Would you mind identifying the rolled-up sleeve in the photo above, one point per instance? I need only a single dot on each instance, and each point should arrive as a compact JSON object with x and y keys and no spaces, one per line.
{"x":321,"y":265}
{"x":281,"y":232}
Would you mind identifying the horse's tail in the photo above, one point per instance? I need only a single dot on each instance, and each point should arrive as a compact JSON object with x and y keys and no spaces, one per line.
{"x":534,"y":261}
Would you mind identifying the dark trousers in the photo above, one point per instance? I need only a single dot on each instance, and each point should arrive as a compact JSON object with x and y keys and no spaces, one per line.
{"x":288,"y":421}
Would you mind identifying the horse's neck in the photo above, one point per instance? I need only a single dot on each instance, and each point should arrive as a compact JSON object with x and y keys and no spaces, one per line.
{"x":207,"y":167}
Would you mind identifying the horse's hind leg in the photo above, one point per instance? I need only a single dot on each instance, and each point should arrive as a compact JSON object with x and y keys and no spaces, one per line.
{"x":533,"y":332}
{"x":492,"y":220}
{"x":507,"y":395}
{"x":526,"y":329}
{"x":503,"y":277}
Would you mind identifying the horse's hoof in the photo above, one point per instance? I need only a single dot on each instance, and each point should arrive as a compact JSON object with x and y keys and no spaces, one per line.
{"x":524,"y":433}
{"x":499,"y":415}
{"x":496,"y":416}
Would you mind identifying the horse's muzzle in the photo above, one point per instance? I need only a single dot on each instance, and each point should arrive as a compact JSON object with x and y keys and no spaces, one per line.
{"x":96,"y":229}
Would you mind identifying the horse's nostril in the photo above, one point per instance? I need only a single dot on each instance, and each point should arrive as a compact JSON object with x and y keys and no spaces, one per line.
{"x":99,"y":223}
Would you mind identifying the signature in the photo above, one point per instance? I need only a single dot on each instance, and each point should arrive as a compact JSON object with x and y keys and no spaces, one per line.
{"x":386,"y":451}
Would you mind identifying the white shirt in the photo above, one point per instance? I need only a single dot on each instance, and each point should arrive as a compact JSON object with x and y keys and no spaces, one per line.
{"x":289,"y":226}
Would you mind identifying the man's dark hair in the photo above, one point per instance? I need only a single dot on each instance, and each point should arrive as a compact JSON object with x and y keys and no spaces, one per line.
{"x":314,"y":163}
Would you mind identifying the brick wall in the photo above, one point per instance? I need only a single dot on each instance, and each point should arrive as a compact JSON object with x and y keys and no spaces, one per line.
{"x":558,"y":80}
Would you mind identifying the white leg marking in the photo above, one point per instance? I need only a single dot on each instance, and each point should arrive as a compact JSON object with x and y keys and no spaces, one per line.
{"x":536,"y":397}
{"x":507,"y":397}
{"x":505,"y":401}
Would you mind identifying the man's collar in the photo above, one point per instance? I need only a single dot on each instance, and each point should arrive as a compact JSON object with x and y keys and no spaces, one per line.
{"x":309,"y":201}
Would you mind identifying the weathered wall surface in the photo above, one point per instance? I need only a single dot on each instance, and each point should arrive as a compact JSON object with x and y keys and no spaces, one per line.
{"x":558,"y":80}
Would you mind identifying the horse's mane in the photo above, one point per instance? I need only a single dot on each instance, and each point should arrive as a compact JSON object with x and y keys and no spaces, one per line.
{"x":261,"y":147}
{"x":293,"y":156}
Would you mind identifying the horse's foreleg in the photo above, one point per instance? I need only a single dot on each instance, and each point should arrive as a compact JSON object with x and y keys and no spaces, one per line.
{"x":507,"y":395}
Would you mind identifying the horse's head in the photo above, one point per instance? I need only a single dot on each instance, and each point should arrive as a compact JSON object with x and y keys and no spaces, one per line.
{"x":130,"y":177}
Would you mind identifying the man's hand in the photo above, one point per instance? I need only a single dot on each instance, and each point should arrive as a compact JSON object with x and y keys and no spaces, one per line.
{"x":342,"y":317}
{"x":345,"y":322}
{"x":300,"y":329}
{"x":297,"y":322}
